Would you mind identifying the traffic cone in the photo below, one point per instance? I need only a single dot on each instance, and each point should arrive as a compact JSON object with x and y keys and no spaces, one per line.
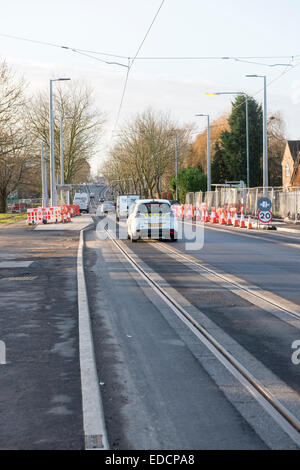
{"x":242,"y":223}
{"x":213,"y":218}
{"x":236,"y":220}
{"x":222,"y":219}
{"x":229,"y":221}
{"x":207,"y":218}
{"x":249,"y":224}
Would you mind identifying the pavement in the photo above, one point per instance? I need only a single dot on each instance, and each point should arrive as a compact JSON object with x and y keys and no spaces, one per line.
{"x":287,"y":227}
{"x":77,"y":223}
{"x":40,"y":393}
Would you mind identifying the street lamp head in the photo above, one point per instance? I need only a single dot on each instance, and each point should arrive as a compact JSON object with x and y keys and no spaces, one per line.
{"x":226,"y":93}
{"x":63,"y":79}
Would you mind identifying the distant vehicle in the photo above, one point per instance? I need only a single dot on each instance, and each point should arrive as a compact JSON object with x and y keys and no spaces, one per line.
{"x":92,"y":195}
{"x":101,"y":181}
{"x":175,"y":203}
{"x":152,"y":219}
{"x":82,"y":199}
{"x":124,"y":204}
{"x":107,"y":207}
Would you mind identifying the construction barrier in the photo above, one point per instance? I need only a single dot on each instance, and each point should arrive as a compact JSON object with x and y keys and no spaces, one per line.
{"x":221,"y":215}
{"x":52,"y":215}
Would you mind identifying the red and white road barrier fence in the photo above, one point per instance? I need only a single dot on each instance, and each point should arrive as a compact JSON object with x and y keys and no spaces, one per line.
{"x":223,"y":216}
{"x":52,"y":215}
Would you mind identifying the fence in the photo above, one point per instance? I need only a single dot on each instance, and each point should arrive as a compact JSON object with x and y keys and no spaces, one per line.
{"x":21,"y":205}
{"x":286,"y":204}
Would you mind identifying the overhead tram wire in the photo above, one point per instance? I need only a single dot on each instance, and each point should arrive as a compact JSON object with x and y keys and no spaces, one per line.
{"x":130,"y":64}
{"x":86,"y":52}
{"x":119,"y":56}
{"x":285,"y":71}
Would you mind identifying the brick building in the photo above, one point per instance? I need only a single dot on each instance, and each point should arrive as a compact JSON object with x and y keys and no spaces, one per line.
{"x":291,"y":164}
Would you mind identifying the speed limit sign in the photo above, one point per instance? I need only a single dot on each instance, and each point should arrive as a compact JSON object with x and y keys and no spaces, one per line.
{"x":265,"y":217}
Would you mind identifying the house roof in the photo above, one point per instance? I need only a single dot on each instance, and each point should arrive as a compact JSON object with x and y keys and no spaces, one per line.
{"x":294,"y":146}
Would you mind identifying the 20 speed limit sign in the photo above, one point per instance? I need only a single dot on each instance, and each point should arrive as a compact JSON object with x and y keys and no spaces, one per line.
{"x":265,"y":217}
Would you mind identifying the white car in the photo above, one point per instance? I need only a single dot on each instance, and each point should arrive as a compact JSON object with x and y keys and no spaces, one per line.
{"x":152,"y":219}
{"x":124,"y":204}
{"x":82,"y":199}
{"x":107,"y":207}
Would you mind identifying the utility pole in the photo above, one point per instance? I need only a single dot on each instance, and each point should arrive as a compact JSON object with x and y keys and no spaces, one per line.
{"x":44,"y":177}
{"x":52,"y":155}
{"x":176,"y":156}
{"x":208,"y":151}
{"x":265,"y":135}
{"x":62,"y":170}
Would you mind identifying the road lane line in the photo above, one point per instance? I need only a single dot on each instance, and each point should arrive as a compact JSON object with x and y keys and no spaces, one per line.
{"x":15,"y":264}
{"x":246,"y":234}
{"x":251,"y":293}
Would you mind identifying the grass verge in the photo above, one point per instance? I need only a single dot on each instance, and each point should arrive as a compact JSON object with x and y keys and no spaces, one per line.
{"x":9,"y":218}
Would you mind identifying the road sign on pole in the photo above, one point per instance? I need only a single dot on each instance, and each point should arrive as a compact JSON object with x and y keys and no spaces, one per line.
{"x":265,"y":217}
{"x":264,"y":204}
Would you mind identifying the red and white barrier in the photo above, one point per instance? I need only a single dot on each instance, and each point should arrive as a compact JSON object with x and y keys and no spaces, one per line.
{"x":221,"y":215}
{"x":52,"y":215}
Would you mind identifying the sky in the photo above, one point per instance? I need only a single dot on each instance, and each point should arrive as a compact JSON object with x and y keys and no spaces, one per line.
{"x":182,"y":29}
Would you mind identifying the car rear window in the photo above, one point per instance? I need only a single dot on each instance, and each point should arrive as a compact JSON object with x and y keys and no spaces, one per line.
{"x":154,"y":208}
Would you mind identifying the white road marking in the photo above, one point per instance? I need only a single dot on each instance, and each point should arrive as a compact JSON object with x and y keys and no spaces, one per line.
{"x":246,"y":234}
{"x":15,"y":264}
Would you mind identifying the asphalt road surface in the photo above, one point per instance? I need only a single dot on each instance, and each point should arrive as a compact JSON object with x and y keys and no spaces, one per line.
{"x":162,"y":389}
{"x":40,"y":394}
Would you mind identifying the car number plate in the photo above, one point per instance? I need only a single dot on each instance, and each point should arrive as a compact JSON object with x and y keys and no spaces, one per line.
{"x":155,"y":225}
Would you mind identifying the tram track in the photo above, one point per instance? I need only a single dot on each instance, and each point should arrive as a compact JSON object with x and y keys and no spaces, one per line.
{"x":288,"y":422}
{"x":234,"y":286}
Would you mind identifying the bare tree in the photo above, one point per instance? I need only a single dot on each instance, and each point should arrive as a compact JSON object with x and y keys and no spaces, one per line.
{"x":81,"y":133}
{"x":143,"y":158}
{"x":14,"y":140}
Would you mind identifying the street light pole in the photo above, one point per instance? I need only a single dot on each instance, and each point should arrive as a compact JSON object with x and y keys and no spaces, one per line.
{"x":265,"y":135}
{"x":52,"y":156}
{"x":62,"y":170}
{"x":208,"y":151}
{"x":247,"y":142}
{"x":52,"y":161}
{"x":176,"y":155}
{"x":247,"y":126}
{"x":44,"y":177}
{"x":266,"y":161}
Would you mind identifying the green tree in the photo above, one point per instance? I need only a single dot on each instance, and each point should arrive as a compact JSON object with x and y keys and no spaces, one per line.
{"x":231,"y":155}
{"x":189,"y":180}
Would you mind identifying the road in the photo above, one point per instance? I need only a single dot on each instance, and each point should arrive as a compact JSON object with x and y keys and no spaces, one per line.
{"x":40,"y":395}
{"x":163,"y":315}
{"x":162,"y":387}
